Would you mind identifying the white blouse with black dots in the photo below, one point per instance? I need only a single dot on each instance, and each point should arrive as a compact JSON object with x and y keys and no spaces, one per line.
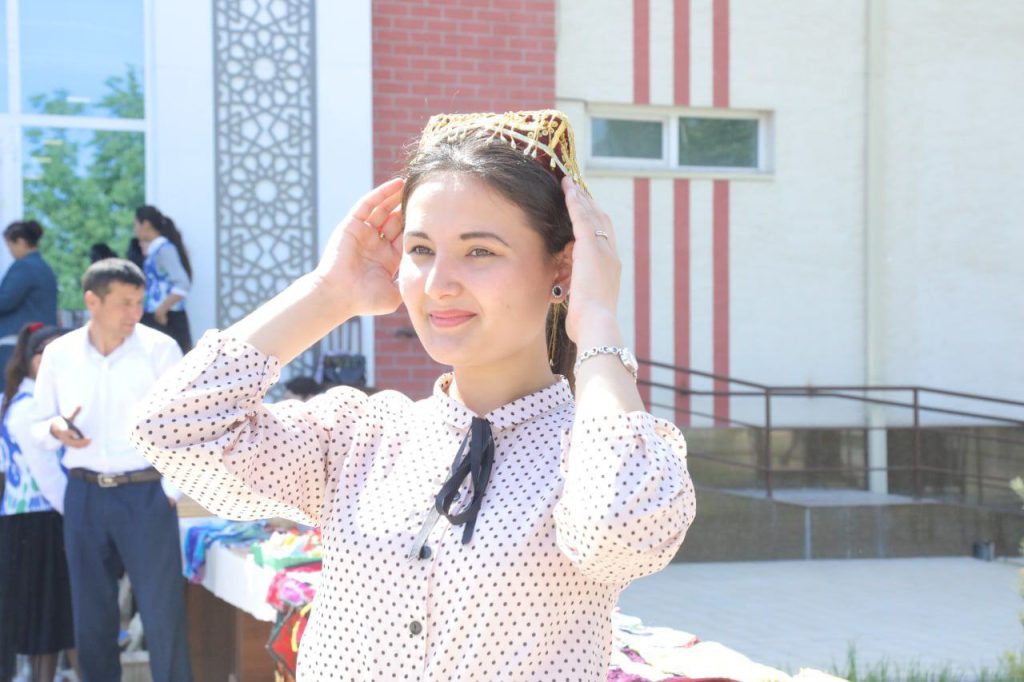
{"x":570,"y":516}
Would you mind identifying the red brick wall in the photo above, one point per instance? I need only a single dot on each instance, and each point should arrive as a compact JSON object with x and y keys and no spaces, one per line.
{"x":443,"y":56}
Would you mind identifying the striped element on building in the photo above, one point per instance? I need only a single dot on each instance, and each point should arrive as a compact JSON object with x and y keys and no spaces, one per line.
{"x":694,"y":330}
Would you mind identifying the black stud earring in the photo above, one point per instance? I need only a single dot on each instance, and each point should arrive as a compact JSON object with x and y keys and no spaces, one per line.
{"x":556,"y":291}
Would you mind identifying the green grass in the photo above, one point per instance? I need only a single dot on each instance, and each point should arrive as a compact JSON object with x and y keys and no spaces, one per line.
{"x":1009,"y":669}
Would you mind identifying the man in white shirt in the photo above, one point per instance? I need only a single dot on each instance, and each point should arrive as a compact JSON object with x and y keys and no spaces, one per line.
{"x":118,"y":513}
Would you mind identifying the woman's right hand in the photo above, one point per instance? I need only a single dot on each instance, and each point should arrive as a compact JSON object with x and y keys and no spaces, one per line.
{"x":363,"y":253}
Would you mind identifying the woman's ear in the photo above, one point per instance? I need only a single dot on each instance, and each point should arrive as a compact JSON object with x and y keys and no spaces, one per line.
{"x":563,"y":267}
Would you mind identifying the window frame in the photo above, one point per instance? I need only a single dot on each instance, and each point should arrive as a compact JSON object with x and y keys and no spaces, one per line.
{"x":14,"y":122}
{"x":668,"y":165}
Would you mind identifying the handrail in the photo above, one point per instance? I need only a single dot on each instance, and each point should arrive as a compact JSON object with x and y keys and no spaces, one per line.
{"x":887,"y":387}
{"x":842,"y":392}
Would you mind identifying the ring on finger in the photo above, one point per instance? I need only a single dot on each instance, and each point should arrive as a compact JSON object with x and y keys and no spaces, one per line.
{"x":601,"y":233}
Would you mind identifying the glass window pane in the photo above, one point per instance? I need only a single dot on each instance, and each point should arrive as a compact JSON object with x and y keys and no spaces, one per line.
{"x":83,"y":186}
{"x":82,"y":58}
{"x":718,"y":142}
{"x":626,"y":139}
{"x":3,"y":56}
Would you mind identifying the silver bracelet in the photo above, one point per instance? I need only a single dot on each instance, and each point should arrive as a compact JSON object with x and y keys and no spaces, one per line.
{"x":624,"y":354}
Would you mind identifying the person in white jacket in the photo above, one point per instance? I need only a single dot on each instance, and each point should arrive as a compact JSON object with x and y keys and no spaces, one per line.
{"x":33,"y":566}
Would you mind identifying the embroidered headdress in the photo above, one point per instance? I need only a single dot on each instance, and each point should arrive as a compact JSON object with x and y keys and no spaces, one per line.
{"x":545,"y":135}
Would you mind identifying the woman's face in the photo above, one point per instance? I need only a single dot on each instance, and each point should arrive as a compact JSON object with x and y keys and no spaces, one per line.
{"x":17,"y":247}
{"x":474,"y":275}
{"x":144,"y":231}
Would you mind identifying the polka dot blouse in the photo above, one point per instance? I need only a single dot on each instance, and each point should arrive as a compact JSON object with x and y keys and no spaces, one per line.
{"x":571,"y":514}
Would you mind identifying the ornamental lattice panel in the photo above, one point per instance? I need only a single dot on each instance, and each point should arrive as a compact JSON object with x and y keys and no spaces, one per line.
{"x":265,"y":164}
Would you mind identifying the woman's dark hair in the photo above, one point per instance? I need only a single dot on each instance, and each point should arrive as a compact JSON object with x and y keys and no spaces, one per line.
{"x":166,"y":227}
{"x":32,"y":338}
{"x":134,"y":253}
{"x":522,"y":181}
{"x":100,"y":251}
{"x":28,"y":230}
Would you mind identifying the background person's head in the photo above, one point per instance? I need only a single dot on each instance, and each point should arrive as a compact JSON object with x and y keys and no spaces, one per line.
{"x":114,"y":292}
{"x":25,"y":358}
{"x":486,"y":231}
{"x":150,"y":223}
{"x":100,"y":251}
{"x":302,"y":388}
{"x":23,"y":237}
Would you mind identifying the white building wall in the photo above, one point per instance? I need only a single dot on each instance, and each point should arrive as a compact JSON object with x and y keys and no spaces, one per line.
{"x":952,"y":313}
{"x":949,"y":309}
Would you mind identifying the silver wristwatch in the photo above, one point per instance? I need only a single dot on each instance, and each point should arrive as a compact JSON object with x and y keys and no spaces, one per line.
{"x":627,"y":358}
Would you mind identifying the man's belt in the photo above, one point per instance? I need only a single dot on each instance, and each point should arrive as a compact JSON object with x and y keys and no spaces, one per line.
{"x":114,"y":480}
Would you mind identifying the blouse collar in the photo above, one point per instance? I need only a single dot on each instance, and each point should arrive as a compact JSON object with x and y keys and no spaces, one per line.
{"x":509,"y":415}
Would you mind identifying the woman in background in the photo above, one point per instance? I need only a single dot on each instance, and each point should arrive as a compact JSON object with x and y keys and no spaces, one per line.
{"x":28,"y":292}
{"x":168,"y":275}
{"x":35,"y":593}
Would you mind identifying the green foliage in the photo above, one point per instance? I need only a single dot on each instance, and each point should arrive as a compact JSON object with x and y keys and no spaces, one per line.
{"x":1009,"y":669}
{"x":88,"y":182}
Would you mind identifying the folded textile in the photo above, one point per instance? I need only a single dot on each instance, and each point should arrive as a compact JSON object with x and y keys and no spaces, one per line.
{"x":198,"y":540}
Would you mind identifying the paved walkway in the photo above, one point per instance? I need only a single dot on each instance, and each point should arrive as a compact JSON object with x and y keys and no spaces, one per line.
{"x":926,"y":612}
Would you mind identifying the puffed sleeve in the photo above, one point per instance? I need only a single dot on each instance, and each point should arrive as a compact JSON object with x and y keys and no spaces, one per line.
{"x":627,"y":499}
{"x":205,"y":427}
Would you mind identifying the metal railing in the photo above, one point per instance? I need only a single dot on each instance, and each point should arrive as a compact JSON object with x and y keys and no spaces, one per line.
{"x":870,"y":397}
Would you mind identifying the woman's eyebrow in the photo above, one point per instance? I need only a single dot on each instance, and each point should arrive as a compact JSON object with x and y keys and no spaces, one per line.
{"x":466,"y":236}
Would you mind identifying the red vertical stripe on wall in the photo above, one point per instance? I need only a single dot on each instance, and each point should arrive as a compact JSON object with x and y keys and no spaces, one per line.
{"x":681,"y":53}
{"x":720,"y":316}
{"x":641,"y":51}
{"x":642,"y":277}
{"x":720,"y":54}
{"x":681,"y":219}
{"x":681,"y":291}
{"x":642,"y":197}
{"x":720,"y":98}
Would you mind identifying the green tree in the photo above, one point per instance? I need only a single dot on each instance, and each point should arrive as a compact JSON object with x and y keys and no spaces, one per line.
{"x":83,"y":185}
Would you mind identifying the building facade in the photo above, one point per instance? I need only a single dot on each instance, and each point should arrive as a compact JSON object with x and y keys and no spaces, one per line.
{"x":805,"y":193}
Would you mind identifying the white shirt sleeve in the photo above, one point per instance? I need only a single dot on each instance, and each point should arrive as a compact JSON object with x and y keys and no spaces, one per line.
{"x":44,"y":408}
{"x":167,"y":355}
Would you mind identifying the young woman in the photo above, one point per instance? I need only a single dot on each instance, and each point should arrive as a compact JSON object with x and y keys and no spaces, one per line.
{"x":28,"y":292}
{"x":168,"y":274}
{"x":35,"y":595}
{"x":484,"y":532}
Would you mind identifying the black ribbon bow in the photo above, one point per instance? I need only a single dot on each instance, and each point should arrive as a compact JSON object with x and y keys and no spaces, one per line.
{"x":474,"y":460}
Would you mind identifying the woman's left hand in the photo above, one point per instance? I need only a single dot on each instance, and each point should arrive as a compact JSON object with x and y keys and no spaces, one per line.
{"x":594,"y":290}
{"x":160,"y":314}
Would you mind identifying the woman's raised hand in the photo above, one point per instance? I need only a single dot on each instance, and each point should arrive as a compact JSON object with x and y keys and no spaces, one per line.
{"x":363,"y":253}
{"x":594,"y":289}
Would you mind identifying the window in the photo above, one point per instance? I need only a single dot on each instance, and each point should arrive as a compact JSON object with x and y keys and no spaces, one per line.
{"x":78,"y":126}
{"x":3,"y":57}
{"x":626,"y":139}
{"x":71,"y":50}
{"x":83,"y":186}
{"x":679,"y":142}
{"x":718,"y":142}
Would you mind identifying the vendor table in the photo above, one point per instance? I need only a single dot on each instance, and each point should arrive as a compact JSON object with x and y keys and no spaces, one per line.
{"x":229,"y":620}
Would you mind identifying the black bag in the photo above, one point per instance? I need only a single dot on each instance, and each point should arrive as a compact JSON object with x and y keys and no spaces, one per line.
{"x":343,"y":369}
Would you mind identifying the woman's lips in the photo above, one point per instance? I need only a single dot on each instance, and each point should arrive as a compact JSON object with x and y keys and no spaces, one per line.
{"x":449,"y":318}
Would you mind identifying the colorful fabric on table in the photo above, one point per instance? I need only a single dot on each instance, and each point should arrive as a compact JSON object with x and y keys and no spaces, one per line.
{"x":199,"y":539}
{"x":294,"y":587}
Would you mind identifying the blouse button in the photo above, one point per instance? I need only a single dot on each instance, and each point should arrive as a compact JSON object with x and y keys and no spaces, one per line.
{"x":425,"y":552}
{"x":415,"y":627}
